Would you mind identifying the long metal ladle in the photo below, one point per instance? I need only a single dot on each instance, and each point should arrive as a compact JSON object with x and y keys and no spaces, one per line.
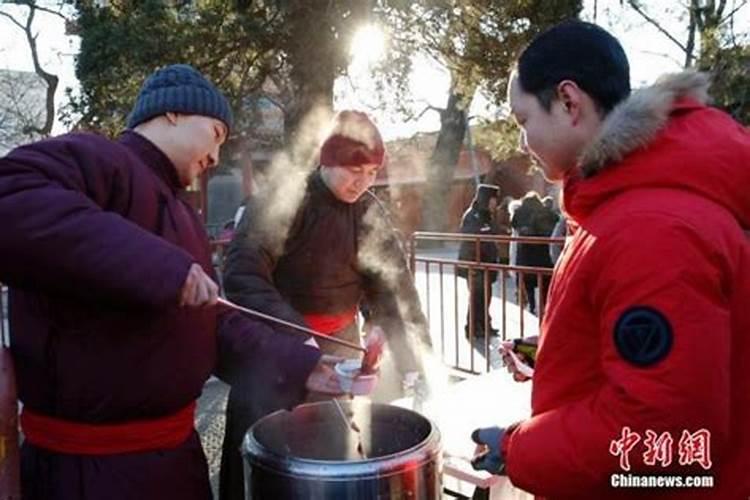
{"x":351,"y":425}
{"x":273,"y":319}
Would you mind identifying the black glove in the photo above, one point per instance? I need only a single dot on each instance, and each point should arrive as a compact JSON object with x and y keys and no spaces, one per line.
{"x":491,"y":459}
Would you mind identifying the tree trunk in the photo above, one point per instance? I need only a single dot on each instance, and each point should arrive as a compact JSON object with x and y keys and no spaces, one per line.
{"x":441,"y":168}
{"x":50,"y":80}
{"x":314,"y":64}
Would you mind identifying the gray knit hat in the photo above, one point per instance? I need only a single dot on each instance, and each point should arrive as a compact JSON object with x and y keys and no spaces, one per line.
{"x":179,"y":88}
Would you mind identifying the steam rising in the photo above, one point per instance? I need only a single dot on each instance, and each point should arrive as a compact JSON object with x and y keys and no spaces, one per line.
{"x":277,"y":198}
{"x":281,"y":189}
{"x":381,"y":253}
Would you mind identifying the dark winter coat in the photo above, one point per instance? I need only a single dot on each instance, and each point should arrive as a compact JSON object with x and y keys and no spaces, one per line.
{"x":532,"y":218}
{"x":478,"y":220}
{"x":333,"y":256}
{"x":96,"y":244}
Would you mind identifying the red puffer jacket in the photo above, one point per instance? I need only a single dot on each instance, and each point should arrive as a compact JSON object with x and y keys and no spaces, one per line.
{"x":648,"y":320}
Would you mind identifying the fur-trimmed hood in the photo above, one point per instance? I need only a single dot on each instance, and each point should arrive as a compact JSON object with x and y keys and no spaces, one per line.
{"x":666,"y":136}
{"x":635,"y":122}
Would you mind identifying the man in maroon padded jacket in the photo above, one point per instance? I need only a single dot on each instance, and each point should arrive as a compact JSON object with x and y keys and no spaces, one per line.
{"x":114,"y":327}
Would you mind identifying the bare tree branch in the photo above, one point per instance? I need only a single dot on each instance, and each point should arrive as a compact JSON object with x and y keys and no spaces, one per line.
{"x":720,"y":9}
{"x":697,"y":12}
{"x":427,"y":108}
{"x":690,"y":48}
{"x":12,"y":19}
{"x":50,"y":79}
{"x":636,"y":7}
{"x":45,"y":9}
{"x":21,"y":110}
{"x":733,"y":12}
{"x":662,"y":55}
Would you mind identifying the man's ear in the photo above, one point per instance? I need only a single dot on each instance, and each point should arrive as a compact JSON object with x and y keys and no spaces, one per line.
{"x":570,"y":96}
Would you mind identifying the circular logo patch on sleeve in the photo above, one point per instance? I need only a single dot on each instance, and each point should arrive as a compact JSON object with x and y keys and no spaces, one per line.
{"x":643,"y":336}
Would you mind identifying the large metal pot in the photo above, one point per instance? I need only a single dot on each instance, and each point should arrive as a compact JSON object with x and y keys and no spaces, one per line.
{"x":311,"y":453}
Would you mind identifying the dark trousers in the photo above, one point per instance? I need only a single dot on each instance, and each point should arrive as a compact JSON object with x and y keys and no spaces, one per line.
{"x":243,"y":411}
{"x":530,"y":283}
{"x":477,"y":308}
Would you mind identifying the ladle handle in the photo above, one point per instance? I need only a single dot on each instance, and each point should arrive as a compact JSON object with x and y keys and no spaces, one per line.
{"x":318,"y":335}
{"x":346,"y":420}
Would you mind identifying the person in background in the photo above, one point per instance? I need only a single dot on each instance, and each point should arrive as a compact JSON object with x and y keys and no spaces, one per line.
{"x":533,"y":218}
{"x":247,"y":191}
{"x":314,"y":262}
{"x":502,"y":221}
{"x":549,"y":203}
{"x":478,"y":220}
{"x":560,"y":231}
{"x":554,"y":217}
{"x":644,"y":351}
{"x":113,"y":316}
{"x":513,"y":206}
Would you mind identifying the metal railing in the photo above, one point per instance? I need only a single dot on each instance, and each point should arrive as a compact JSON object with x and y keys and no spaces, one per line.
{"x":444,"y":302}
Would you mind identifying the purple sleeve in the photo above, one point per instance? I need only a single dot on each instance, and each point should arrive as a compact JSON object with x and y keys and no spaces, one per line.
{"x":57,"y":238}
{"x":255,"y":355}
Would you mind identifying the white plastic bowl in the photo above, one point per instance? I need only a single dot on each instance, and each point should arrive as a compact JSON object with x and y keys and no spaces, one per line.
{"x":350,"y":379}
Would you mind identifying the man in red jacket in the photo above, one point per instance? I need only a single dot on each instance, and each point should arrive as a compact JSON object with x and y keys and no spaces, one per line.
{"x":644,"y":353}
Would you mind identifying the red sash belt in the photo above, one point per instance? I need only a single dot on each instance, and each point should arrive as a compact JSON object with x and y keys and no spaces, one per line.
{"x":64,"y":436}
{"x":330,"y":323}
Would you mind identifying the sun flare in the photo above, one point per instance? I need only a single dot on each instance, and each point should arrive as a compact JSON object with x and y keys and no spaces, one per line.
{"x":368,"y":44}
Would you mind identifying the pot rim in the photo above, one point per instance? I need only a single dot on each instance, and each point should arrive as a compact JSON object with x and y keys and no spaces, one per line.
{"x":428,"y":450}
